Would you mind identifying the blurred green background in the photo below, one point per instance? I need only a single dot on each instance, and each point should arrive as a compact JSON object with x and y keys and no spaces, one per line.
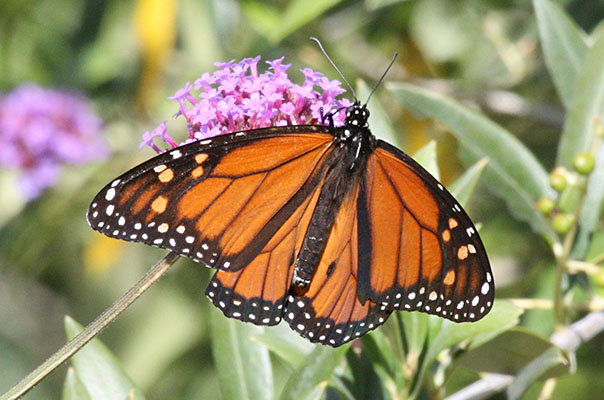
{"x":129,"y":56}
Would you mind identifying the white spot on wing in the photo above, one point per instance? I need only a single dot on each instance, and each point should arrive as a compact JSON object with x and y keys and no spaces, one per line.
{"x":110,"y":194}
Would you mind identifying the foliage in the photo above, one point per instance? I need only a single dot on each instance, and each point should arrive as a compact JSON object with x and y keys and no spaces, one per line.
{"x":511,"y":90}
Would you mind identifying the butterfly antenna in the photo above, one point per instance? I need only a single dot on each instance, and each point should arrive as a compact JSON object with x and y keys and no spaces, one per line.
{"x":382,"y":78}
{"x":334,"y":65}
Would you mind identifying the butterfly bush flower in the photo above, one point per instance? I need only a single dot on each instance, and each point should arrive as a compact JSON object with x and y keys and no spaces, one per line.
{"x":237,"y":97}
{"x":42,"y":129}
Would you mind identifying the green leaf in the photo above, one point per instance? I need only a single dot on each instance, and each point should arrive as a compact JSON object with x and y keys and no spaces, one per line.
{"x":313,"y":375}
{"x":297,"y":14}
{"x":73,"y":389}
{"x":464,"y":186}
{"x":285,"y":343}
{"x":426,"y":156}
{"x":564,"y":46}
{"x":264,"y":17}
{"x":373,"y":5}
{"x":552,"y":362}
{"x":165,"y":334}
{"x":98,"y":369}
{"x":591,"y":209}
{"x":414,"y":329}
{"x":513,"y":171}
{"x":243,"y":365}
{"x":507,"y":353}
{"x":588,"y":102}
{"x":502,"y":317}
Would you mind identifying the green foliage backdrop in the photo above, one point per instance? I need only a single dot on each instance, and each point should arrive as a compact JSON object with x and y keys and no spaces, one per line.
{"x":496,"y":97}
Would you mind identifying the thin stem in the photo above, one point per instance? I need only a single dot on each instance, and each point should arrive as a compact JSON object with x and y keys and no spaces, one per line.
{"x":533,"y":304}
{"x":93,"y":329}
{"x":561,"y":268}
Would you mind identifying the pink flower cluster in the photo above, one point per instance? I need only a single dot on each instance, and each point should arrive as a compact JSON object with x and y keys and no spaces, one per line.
{"x":237,"y":97}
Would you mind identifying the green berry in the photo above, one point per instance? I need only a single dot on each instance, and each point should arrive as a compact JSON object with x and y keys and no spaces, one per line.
{"x":563,"y":223}
{"x":546,"y":205}
{"x":557,"y":179}
{"x":584,"y":163}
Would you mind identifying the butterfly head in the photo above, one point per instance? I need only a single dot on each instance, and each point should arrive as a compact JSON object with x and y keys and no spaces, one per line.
{"x":357,"y":116}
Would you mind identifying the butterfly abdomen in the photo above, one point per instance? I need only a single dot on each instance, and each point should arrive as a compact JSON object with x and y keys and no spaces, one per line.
{"x":343,"y":175}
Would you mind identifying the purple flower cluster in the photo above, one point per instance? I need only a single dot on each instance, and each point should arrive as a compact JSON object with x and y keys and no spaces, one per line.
{"x":236,"y":97}
{"x":41,"y":129}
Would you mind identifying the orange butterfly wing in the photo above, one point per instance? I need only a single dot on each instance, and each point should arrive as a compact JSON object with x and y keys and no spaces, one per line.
{"x":419,"y":251}
{"x":257,"y":293}
{"x":216,"y":201}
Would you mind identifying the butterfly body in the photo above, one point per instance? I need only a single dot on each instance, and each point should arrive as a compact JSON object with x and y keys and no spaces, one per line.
{"x":325,"y":227}
{"x":353,"y":144}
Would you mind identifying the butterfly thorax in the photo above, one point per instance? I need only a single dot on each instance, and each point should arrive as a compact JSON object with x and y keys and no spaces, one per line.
{"x":354,"y":143}
{"x":355,"y":135}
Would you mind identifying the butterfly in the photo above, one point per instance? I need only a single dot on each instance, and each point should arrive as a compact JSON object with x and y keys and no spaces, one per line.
{"x":326,"y":227}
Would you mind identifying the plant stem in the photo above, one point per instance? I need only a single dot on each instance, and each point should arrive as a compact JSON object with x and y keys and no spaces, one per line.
{"x":93,"y":329}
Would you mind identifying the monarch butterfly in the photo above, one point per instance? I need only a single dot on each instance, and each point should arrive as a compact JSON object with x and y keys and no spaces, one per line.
{"x":324,"y":226}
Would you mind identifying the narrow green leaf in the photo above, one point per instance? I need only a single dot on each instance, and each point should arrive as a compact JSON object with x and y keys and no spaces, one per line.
{"x":591,"y":210}
{"x":264,"y":17}
{"x":285,"y":343}
{"x":426,"y":156}
{"x":171,"y":330}
{"x":376,"y":4}
{"x":98,"y":369}
{"x":73,"y":389}
{"x":505,"y":315}
{"x":415,"y":330}
{"x":383,"y":358}
{"x":502,"y":317}
{"x":297,"y":14}
{"x":507,"y":353}
{"x":551,"y":359}
{"x":564,"y":46}
{"x":314,"y":373}
{"x":588,"y":102}
{"x":513,"y":171}
{"x":464,"y":186}
{"x":345,"y":394}
{"x":243,"y":365}
{"x":363,"y":381}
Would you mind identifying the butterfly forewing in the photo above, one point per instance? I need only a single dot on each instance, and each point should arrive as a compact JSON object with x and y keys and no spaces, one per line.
{"x":422,"y":252}
{"x":217,"y":201}
{"x":257,"y":293}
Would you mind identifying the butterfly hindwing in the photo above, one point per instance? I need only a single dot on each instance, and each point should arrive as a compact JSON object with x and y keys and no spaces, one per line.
{"x":328,"y":311}
{"x":216,"y":201}
{"x":422,"y":252}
